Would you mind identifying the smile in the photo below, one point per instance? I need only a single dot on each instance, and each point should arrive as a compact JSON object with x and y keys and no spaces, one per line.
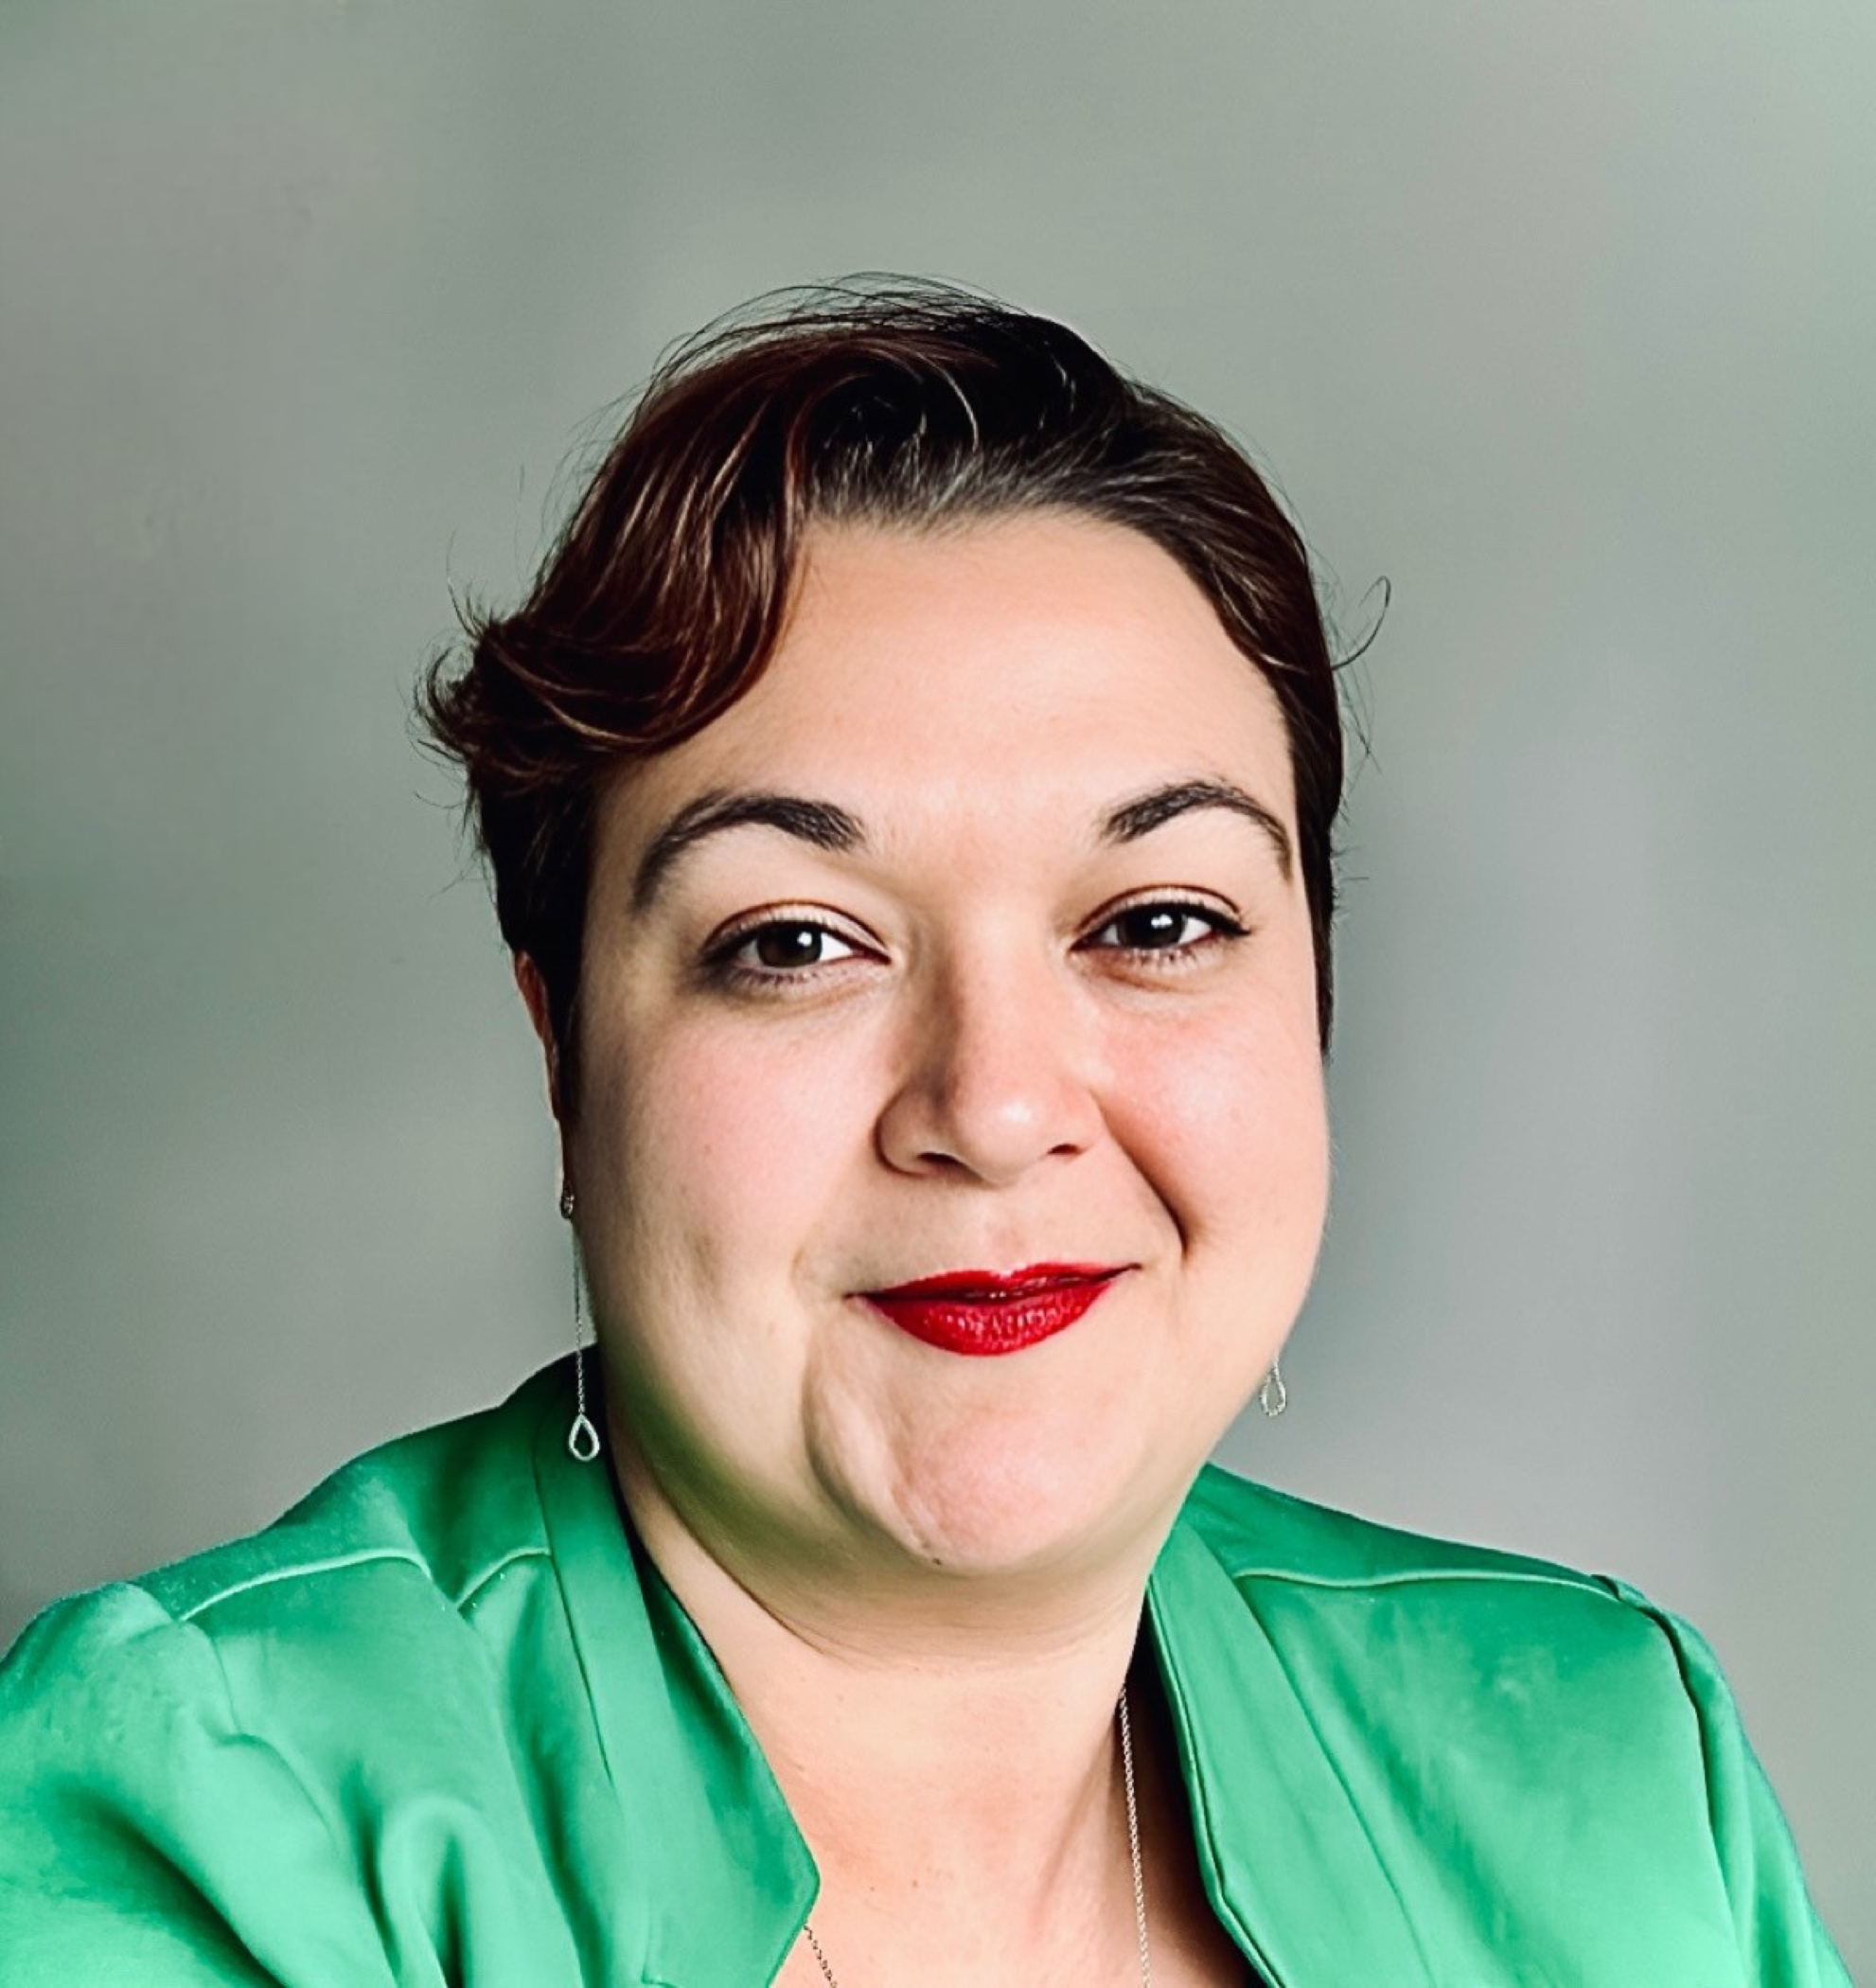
{"x":981,"y":1313}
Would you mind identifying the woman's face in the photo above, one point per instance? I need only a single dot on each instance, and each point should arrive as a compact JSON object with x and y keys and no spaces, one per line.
{"x":951,"y":1007}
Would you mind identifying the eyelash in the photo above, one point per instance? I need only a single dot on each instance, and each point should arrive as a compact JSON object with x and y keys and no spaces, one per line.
{"x":721,"y":966}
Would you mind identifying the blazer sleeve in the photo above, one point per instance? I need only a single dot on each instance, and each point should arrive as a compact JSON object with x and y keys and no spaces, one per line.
{"x":1781,"y":1940}
{"x":145,"y":1837}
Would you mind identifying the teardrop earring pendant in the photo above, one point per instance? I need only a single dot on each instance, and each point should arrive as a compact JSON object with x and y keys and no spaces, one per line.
{"x":1273,"y":1397}
{"x":582,"y":1438}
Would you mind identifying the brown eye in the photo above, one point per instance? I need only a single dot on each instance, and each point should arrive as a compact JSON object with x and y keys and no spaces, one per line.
{"x":781,"y":947}
{"x":1169,"y":927}
{"x":777,"y":953}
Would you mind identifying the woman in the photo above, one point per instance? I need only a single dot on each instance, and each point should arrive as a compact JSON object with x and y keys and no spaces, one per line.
{"x":908,"y":791}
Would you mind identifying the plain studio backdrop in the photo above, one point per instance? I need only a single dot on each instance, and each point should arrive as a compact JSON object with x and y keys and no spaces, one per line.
{"x":1559,"y":316}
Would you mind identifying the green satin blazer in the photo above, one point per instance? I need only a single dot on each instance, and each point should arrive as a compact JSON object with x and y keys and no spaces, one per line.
{"x":443,"y":1723}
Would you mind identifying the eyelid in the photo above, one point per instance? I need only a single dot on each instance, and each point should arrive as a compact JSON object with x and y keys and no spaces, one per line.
{"x":816,"y":914}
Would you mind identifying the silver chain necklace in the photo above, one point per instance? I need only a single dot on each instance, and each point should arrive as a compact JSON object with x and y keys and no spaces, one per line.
{"x":1133,"y":1852}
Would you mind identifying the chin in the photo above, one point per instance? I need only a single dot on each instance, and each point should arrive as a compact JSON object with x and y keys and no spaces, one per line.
{"x":987,"y":1506}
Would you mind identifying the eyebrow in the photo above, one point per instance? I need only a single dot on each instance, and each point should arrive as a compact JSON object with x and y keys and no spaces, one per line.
{"x":826,"y":825}
{"x":818,"y":821}
{"x":1158,"y":805}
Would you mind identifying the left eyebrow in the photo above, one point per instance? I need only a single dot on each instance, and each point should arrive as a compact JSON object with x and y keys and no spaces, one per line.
{"x":1159,"y":805}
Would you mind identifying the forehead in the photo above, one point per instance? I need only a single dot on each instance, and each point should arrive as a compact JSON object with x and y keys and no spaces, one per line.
{"x":1030,"y":666}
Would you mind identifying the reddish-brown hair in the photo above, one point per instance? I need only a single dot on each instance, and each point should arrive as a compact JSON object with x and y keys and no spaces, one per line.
{"x":905,"y":405}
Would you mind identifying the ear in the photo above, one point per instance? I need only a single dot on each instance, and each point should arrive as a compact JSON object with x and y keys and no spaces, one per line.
{"x":534,"y":996}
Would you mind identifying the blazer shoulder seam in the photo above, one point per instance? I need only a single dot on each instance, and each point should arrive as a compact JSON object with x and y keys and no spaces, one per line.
{"x":365,"y":1556}
{"x":1417,"y":1576}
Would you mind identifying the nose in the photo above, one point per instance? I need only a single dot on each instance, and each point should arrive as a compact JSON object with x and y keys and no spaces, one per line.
{"x":996,"y":1075}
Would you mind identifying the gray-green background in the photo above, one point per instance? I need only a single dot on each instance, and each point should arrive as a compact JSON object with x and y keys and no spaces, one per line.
{"x":1561,"y":316}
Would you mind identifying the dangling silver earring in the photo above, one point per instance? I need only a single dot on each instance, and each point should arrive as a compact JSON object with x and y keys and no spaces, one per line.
{"x":582,"y":1438}
{"x":1273,"y":1397}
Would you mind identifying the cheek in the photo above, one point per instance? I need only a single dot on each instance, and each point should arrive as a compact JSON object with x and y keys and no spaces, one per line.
{"x":719,"y":1150}
{"x":1232,"y":1126}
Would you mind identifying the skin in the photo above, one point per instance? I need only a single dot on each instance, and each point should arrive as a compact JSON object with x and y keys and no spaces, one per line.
{"x":922,"y":1573}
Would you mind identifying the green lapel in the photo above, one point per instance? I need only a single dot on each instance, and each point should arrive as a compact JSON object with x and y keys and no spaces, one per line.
{"x":1291,"y":1868}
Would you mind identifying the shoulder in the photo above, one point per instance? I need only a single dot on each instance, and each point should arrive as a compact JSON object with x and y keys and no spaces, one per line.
{"x":1267,"y":1539}
{"x":1259,"y":1532}
{"x":1525,"y":1715}
{"x":1475,"y":1617}
{"x":404,"y":1541}
{"x":201,"y":1760}
{"x":1485,"y":1680}
{"x":430,"y":1517}
{"x":367,"y":1588}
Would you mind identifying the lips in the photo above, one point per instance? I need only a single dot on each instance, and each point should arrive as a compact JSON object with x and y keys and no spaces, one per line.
{"x":981,"y":1313}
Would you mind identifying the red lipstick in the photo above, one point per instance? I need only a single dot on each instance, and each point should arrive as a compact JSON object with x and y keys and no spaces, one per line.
{"x":986,"y":1311}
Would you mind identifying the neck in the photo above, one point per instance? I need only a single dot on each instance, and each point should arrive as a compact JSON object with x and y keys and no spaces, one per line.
{"x":956,"y":1775}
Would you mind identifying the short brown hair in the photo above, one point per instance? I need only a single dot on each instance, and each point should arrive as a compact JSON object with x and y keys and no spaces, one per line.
{"x":897,"y":403}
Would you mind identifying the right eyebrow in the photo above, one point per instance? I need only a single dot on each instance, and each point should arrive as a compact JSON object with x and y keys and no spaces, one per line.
{"x":820,"y":822}
{"x":1167,"y":802}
